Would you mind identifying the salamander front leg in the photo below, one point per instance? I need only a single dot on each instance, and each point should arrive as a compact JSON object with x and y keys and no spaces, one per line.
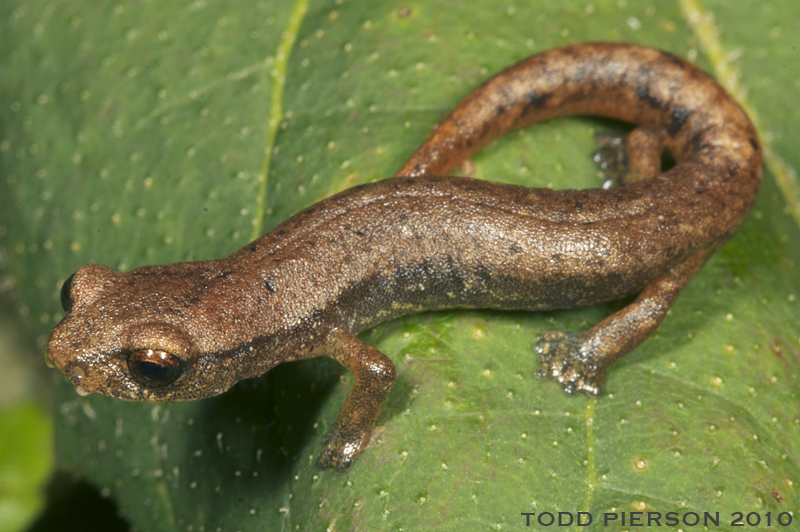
{"x":579,"y":360}
{"x":374,"y":378}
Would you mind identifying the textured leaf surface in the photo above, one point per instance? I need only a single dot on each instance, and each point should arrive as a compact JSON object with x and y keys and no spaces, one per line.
{"x":154,"y":132}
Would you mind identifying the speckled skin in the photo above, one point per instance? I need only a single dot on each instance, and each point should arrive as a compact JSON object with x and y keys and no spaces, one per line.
{"x":406,"y":244}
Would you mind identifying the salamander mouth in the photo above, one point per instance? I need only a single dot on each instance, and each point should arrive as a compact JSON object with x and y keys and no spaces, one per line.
{"x":74,"y":372}
{"x":77,"y":375}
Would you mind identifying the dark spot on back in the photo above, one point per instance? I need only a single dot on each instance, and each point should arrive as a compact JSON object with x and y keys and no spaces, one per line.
{"x":642,"y":87}
{"x":537,"y":100}
{"x":754,"y":143}
{"x":356,"y":231}
{"x":680,"y":115}
{"x":270,"y":285}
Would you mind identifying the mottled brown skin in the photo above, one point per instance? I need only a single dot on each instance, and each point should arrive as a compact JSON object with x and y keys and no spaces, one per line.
{"x":375,"y":252}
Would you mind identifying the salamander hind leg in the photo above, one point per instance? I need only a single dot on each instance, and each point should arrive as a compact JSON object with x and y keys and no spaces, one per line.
{"x":374,"y":372}
{"x":630,"y":157}
{"x":579,"y":360}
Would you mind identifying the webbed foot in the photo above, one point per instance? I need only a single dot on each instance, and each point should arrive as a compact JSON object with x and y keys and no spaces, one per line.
{"x":570,"y":359}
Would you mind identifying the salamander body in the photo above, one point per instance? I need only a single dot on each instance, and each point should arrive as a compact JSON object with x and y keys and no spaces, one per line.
{"x":423,"y":241}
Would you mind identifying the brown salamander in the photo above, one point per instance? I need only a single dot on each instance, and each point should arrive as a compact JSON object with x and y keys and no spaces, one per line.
{"x":419,"y":242}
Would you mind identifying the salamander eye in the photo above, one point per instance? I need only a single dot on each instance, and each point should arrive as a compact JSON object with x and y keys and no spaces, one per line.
{"x":66,"y":298}
{"x":155,"y":368}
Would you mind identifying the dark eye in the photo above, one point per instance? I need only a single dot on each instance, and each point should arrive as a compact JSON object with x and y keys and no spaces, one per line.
{"x":66,"y":299}
{"x":154,"y":367}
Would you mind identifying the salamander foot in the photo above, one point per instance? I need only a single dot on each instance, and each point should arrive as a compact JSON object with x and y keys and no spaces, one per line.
{"x":338,"y":451}
{"x":569,"y":359}
{"x":612,"y":158}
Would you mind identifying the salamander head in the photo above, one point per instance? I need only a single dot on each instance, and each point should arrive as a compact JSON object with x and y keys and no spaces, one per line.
{"x":141,"y":335}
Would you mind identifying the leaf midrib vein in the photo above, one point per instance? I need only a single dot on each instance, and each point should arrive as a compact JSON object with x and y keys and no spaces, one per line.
{"x":278,"y":74}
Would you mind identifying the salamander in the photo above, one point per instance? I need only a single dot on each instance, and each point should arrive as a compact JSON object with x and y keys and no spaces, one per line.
{"x":423,"y":240}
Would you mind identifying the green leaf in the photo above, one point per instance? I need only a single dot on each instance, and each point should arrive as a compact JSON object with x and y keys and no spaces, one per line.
{"x":26,"y":462}
{"x":152,"y":132}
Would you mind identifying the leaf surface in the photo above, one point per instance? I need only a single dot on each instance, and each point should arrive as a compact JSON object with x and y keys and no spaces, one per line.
{"x":151,"y":132}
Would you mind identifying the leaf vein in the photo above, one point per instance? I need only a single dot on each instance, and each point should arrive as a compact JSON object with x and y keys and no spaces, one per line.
{"x":288,"y":38}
